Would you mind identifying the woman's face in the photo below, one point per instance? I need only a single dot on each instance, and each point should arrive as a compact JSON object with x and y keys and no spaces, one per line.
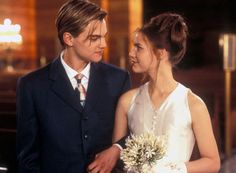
{"x":141,"y":56}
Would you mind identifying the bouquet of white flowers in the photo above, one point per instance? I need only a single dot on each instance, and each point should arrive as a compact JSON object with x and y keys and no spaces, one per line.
{"x":142,"y":152}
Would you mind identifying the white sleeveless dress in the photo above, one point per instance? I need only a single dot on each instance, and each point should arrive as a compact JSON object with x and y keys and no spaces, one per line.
{"x":171,"y":119}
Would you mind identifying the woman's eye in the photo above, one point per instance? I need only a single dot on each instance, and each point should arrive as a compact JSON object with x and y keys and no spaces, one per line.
{"x":138,"y":47}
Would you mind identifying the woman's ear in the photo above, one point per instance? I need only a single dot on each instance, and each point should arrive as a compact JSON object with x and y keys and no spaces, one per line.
{"x":68,"y":39}
{"x":163,"y":54}
{"x":160,"y":53}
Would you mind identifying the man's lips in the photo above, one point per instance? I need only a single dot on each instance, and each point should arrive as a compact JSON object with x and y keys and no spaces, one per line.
{"x":99,"y":52}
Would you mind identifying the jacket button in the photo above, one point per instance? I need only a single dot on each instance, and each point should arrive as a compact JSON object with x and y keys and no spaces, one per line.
{"x":85,"y":117}
{"x":85,"y":136}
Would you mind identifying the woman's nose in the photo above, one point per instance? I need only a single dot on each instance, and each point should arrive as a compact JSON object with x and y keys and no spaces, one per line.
{"x":132,"y":53}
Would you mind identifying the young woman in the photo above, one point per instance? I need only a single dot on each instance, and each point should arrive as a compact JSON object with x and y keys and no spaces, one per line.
{"x":163,"y":105}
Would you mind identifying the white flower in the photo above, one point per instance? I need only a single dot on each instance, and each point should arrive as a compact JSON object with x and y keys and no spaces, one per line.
{"x":142,"y":152}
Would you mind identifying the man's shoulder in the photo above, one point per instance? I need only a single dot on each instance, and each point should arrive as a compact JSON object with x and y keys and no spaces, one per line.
{"x":37,"y":74}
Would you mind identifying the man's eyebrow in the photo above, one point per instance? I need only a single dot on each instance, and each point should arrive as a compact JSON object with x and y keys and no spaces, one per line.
{"x":94,"y":35}
{"x":97,"y":35}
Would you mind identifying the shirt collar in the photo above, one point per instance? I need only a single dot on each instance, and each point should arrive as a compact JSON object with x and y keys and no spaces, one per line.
{"x":71,"y":73}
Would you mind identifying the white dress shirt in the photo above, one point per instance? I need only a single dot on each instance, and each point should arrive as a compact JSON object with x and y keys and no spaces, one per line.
{"x":71,"y":73}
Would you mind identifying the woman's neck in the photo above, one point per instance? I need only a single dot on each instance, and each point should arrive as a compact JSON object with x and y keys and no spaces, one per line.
{"x":162,"y":81}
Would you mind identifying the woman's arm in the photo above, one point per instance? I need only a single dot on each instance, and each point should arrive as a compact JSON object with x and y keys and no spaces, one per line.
{"x":201,"y":124}
{"x":106,"y":160}
{"x":121,"y":121}
{"x":209,"y":162}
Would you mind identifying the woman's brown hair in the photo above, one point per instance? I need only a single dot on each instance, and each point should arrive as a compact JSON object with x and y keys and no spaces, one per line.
{"x":168,"y":31}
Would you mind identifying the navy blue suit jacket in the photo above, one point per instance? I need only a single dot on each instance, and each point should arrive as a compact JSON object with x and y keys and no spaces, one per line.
{"x":54,"y":133}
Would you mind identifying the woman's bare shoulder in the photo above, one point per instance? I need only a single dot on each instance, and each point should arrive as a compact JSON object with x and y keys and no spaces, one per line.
{"x":195,"y":101}
{"x":197,"y":106}
{"x":126,"y":98}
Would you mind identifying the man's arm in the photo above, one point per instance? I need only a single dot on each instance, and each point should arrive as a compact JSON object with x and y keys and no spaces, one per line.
{"x":27,"y":130}
{"x":126,"y":84}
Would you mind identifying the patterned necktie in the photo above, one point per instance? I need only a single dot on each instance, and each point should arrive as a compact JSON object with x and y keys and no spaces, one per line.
{"x":81,"y":89}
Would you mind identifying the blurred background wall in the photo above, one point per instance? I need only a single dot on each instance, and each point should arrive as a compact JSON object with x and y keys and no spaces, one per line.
{"x":201,"y":69}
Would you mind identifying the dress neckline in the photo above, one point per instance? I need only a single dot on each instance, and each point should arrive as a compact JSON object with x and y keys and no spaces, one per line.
{"x":156,"y":109}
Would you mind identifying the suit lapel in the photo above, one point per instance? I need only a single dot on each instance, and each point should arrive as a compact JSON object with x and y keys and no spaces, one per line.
{"x":96,"y":87}
{"x":61,"y":85}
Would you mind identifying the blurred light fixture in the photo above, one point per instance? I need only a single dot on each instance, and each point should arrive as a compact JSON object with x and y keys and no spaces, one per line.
{"x":228,"y":44}
{"x":10,"y":39}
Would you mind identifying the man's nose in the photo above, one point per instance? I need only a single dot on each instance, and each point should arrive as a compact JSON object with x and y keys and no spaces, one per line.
{"x":103,"y":43}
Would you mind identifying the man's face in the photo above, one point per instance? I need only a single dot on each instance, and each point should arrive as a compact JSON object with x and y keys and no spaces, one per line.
{"x":89,"y":45}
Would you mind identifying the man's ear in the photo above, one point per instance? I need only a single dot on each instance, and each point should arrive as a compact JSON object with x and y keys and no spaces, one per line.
{"x":68,"y":39}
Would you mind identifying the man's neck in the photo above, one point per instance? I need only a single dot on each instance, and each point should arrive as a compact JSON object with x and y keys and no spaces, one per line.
{"x":75,"y":63}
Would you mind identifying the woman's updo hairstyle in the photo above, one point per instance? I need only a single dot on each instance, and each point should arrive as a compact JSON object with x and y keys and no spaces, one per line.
{"x":168,"y":31}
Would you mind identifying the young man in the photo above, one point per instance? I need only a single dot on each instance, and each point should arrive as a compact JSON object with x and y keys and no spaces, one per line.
{"x":66,"y":110}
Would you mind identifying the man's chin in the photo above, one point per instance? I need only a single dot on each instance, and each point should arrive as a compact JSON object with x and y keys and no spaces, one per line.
{"x":97,"y":59}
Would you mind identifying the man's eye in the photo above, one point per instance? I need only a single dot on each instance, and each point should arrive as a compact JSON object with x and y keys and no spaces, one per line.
{"x":94,"y":38}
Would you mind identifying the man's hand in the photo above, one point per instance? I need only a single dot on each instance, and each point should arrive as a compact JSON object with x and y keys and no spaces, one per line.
{"x":105,"y":161}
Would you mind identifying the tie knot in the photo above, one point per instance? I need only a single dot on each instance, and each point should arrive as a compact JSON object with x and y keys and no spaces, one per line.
{"x":78,"y":77}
